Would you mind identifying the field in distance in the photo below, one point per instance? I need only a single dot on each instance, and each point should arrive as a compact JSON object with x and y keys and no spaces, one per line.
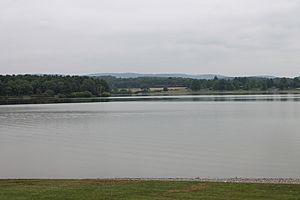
{"x":142,"y":189}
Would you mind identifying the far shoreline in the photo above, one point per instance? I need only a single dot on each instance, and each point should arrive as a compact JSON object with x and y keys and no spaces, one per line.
{"x":195,"y":96}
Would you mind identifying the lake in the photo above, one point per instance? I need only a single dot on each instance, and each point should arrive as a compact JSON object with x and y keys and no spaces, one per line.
{"x":190,"y":136}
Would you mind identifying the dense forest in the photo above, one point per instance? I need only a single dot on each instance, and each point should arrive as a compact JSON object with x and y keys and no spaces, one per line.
{"x":230,"y":84}
{"x":52,"y":85}
{"x":246,"y":83}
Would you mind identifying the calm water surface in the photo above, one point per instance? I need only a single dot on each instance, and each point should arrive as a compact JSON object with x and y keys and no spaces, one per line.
{"x":256,"y":137}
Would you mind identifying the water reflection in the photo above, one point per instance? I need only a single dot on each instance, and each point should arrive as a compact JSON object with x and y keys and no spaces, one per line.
{"x":278,"y":97}
{"x":289,"y":97}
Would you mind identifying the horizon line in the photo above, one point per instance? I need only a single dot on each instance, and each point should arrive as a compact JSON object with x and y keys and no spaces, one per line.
{"x":152,"y":73}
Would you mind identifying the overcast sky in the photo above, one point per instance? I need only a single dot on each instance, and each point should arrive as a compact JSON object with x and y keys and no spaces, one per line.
{"x":230,"y":37}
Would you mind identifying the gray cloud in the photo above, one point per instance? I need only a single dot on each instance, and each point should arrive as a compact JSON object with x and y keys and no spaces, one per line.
{"x":230,"y":37}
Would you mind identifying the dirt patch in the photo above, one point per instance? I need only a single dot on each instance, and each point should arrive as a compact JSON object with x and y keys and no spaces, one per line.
{"x":192,"y":188}
{"x":109,"y":181}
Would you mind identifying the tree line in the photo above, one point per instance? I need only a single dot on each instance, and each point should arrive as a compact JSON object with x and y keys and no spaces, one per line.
{"x":51,"y":85}
{"x":230,"y":84}
{"x":85,"y":86}
{"x":246,"y":83}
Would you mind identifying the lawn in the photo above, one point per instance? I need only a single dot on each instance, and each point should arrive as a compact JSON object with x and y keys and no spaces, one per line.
{"x":123,"y":189}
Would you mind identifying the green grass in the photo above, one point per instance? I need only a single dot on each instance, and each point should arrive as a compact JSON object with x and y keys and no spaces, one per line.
{"x":122,"y":189}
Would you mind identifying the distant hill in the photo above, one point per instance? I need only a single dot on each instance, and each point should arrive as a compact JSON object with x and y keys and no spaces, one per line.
{"x":138,"y":75}
{"x":175,"y":75}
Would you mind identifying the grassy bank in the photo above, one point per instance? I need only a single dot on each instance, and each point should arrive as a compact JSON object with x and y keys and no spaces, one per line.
{"x":47,"y":100}
{"x":140,"y":189}
{"x":212,"y":92}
